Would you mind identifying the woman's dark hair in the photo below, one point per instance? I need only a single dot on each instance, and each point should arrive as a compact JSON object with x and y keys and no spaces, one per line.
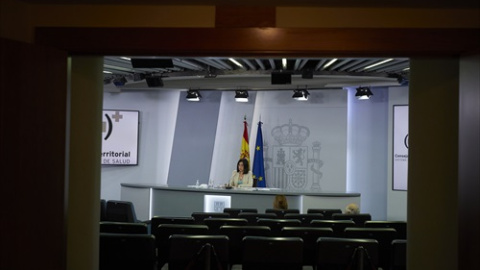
{"x":246,"y":167}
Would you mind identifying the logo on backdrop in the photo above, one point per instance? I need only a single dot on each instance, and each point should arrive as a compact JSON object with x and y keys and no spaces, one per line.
{"x":295,"y":165}
{"x":120,"y":135}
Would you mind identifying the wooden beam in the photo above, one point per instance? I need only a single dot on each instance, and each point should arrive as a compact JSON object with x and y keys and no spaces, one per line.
{"x":261,"y":41}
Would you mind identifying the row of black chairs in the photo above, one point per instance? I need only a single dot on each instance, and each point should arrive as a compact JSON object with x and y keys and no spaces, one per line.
{"x":326,"y":212}
{"x":341,"y":221}
{"x":117,"y":211}
{"x":137,"y":251}
{"x":265,"y":228}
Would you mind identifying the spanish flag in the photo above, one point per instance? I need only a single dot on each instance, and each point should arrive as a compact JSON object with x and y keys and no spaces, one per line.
{"x":245,"y":150}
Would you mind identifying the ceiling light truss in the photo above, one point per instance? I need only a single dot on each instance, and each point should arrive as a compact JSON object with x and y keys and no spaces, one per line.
{"x":383,"y":62}
{"x":339,"y":63}
{"x":187,"y":64}
{"x":272,"y":64}
{"x":249,"y":64}
{"x":223,"y":63}
{"x":210,"y":63}
{"x":260,"y":64}
{"x":390,"y":64}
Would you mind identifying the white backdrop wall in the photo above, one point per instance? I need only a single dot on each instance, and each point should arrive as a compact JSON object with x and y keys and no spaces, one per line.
{"x":396,"y":200}
{"x":304,"y":141}
{"x":158,"y":113}
{"x":332,"y":142}
{"x":367,"y":150}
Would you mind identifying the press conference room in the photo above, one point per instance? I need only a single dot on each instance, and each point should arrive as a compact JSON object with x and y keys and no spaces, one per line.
{"x":351,"y":152}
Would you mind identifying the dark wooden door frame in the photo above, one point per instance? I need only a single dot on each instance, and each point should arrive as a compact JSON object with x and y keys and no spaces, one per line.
{"x":267,"y":42}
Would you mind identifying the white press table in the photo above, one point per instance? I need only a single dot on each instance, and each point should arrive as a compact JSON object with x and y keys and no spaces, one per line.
{"x":154,"y":200}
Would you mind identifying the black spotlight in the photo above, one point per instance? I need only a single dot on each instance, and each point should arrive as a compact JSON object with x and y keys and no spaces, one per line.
{"x":119,"y":81}
{"x":107,"y":80}
{"x":154,"y":81}
{"x":193,"y":95}
{"x":300,"y":95}
{"x":138,"y":77}
{"x":241,"y":96}
{"x":363,"y":93}
{"x":281,"y":78}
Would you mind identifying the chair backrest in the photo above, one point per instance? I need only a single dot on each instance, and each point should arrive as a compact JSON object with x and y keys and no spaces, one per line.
{"x":164,"y":231}
{"x":359,"y":219}
{"x":158,"y":220}
{"x":340,"y":253}
{"x":326,"y":212}
{"x":103,"y":210}
{"x":236,"y":234}
{"x":121,"y":211}
{"x":276,"y":225}
{"x":214,"y":224}
{"x":123,"y":227}
{"x":198,"y":251}
{"x":384,"y":237}
{"x":304,"y":218}
{"x":338,"y":226}
{"x":309,"y":236}
{"x":399,"y":226}
{"x":281,"y":213}
{"x":399,"y":254}
{"x":272,"y":253}
{"x":127,"y":251}
{"x":200,"y":216}
{"x":235,"y":211}
{"x":253,"y":217}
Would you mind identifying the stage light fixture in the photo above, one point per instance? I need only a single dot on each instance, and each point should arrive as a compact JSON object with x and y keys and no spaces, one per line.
{"x":119,"y":81}
{"x":363,"y":93}
{"x":241,"y":96}
{"x":301,"y":95}
{"x":138,"y":77}
{"x":154,"y":81}
{"x":193,"y":95}
{"x":107,"y":80}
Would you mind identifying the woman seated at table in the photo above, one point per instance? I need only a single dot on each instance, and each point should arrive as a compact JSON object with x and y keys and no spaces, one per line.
{"x":242,"y":176}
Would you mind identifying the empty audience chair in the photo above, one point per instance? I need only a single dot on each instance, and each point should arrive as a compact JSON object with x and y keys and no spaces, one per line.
{"x":309,"y":236}
{"x":236,"y":234}
{"x":344,"y":253}
{"x":253,"y":217}
{"x":121,"y":211}
{"x":276,"y":225}
{"x":305,"y":219}
{"x":281,"y":213}
{"x":233,"y":212}
{"x":127,"y":251}
{"x":214,"y":224}
{"x":338,"y":226}
{"x":123,"y":227}
{"x":198,"y":252}
{"x":103,"y":210}
{"x":158,"y":220}
{"x":164,"y":231}
{"x":200,"y":216}
{"x":399,"y":226}
{"x":399,"y":254}
{"x":272,"y":253}
{"x":326,"y":212}
{"x":359,"y":219}
{"x":384,"y":237}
